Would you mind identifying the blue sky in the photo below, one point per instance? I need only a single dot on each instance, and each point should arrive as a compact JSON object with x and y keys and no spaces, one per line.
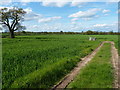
{"x":68,"y":16}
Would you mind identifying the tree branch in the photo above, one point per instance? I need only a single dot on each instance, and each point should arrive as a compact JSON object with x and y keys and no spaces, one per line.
{"x":15,"y":22}
{"x":16,"y":29}
{"x":7,"y":23}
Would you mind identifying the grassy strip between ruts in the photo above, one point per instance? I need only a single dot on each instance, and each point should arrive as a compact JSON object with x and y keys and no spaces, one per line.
{"x":46,"y":78}
{"x":98,"y":73}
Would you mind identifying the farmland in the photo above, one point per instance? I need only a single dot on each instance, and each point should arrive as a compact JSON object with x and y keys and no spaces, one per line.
{"x":96,"y":75}
{"x":30,"y":61}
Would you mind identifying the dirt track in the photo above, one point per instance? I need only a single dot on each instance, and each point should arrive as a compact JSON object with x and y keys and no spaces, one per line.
{"x":115,"y":58}
{"x":70,"y":77}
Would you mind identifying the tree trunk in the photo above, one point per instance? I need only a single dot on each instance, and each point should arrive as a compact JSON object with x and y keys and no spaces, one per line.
{"x":12,"y":34}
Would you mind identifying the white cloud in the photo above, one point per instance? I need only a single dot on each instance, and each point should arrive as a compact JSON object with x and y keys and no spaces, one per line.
{"x":105,"y":11}
{"x":49,"y":19}
{"x":35,"y":26}
{"x":105,"y":27}
{"x":5,"y":2}
{"x":99,"y":25}
{"x":74,"y":19}
{"x":34,"y":16}
{"x":86,"y":15}
{"x":57,"y":17}
{"x":24,"y":3}
{"x":87,"y":19}
{"x":112,"y":0}
{"x":28,"y":10}
{"x":27,"y":1}
{"x":77,"y":27}
{"x":78,"y":4}
{"x":44,"y":20}
{"x":68,"y":0}
{"x":106,"y":14}
{"x":54,"y":4}
{"x":30,"y":13}
{"x":46,"y":27}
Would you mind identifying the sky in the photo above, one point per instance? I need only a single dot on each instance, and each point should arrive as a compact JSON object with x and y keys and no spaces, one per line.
{"x":68,"y":16}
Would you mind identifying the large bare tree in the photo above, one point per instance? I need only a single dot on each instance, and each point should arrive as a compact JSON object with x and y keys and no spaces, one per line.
{"x":11,"y":19}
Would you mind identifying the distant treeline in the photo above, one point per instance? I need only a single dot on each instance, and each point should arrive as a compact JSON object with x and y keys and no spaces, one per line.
{"x":89,"y":32}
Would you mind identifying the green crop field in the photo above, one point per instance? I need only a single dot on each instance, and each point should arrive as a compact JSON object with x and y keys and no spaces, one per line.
{"x":42,"y":60}
{"x":98,"y":73}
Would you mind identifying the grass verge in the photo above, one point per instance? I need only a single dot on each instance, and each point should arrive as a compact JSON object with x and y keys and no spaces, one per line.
{"x":47,"y":77}
{"x":98,"y":73}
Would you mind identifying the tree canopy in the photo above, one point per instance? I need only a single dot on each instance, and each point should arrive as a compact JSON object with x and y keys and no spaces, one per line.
{"x":11,"y":19}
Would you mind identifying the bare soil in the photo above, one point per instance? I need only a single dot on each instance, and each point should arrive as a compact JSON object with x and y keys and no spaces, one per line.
{"x":116,"y":65}
{"x":70,"y":77}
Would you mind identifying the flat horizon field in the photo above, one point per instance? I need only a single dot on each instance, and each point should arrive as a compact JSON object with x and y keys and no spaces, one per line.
{"x":30,"y":61}
{"x":45,"y":40}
